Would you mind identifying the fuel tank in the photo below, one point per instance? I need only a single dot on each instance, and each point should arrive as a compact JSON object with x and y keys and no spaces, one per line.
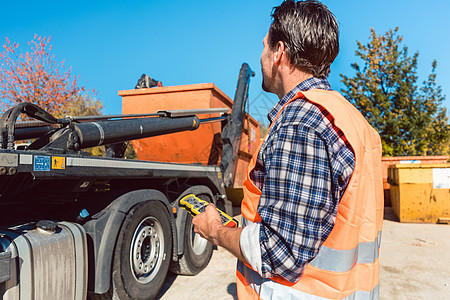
{"x":48,"y":259}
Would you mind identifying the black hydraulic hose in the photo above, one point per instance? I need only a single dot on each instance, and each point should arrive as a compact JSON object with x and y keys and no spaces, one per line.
{"x":35,"y":129}
{"x":93,"y":134}
{"x":26,"y":133}
{"x":8,"y":120}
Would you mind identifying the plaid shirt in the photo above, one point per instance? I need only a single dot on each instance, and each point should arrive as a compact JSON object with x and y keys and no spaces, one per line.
{"x":302,"y":170}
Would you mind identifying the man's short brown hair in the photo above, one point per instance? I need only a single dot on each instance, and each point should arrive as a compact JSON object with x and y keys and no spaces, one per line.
{"x":309,"y":32}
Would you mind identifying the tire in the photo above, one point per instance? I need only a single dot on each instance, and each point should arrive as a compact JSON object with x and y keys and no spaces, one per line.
{"x":143,"y":252}
{"x":197,"y":250}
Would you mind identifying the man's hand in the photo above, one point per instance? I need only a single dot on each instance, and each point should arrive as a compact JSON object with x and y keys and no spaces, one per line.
{"x":209,"y":224}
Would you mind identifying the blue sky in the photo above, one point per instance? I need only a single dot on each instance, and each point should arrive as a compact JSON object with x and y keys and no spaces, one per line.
{"x":110,"y":44}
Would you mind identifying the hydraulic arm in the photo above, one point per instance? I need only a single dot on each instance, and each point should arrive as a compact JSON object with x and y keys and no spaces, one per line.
{"x":69,"y":134}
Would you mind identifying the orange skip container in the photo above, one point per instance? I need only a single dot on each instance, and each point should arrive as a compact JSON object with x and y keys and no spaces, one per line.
{"x":201,"y":146}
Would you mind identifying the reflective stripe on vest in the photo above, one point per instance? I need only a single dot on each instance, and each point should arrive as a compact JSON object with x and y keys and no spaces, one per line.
{"x":330,"y":259}
{"x":269,"y":289}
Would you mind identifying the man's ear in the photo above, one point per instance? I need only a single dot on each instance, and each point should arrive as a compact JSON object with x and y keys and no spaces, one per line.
{"x":279,"y":53}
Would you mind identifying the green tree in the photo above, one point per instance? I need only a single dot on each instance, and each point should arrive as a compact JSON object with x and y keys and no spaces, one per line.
{"x":411,"y":120}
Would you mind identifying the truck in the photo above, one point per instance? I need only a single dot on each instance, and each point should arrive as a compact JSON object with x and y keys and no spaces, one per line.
{"x":76,"y":226}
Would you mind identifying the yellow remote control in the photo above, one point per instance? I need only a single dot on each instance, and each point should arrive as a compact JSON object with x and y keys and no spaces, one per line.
{"x":195,"y":206}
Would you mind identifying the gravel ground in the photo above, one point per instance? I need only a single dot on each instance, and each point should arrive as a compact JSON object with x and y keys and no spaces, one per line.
{"x":414,"y":264}
{"x":414,"y":260}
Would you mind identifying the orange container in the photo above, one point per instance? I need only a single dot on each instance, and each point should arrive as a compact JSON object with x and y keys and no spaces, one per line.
{"x":388,"y":161}
{"x":199,"y":146}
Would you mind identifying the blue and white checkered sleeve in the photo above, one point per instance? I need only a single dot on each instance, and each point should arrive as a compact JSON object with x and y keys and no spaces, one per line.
{"x":296,"y":205}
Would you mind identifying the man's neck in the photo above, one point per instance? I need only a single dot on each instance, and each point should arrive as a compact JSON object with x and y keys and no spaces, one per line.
{"x":290,"y":80}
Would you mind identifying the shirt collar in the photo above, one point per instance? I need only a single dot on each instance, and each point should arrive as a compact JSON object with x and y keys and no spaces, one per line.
{"x":308,"y":84}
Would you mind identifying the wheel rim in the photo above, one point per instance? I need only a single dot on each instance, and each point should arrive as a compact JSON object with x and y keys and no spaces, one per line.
{"x":198,"y":244}
{"x":147,"y":248}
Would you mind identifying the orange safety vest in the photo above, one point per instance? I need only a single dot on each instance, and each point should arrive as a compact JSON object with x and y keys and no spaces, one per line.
{"x":347,"y":264}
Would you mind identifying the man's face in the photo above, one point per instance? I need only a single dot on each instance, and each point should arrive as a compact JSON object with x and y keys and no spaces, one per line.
{"x":267,"y":66}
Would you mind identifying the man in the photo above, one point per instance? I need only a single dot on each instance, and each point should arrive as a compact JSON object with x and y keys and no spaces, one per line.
{"x":313,"y":204}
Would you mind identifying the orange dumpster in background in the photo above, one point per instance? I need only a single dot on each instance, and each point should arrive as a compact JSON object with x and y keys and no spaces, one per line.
{"x":199,"y":146}
{"x":388,"y":161}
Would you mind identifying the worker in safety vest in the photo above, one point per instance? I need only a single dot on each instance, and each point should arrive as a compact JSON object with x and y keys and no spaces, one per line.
{"x":313,"y":205}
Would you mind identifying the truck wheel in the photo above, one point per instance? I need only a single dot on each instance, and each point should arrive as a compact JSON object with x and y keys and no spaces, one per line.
{"x":197,"y":250}
{"x":143,"y":252}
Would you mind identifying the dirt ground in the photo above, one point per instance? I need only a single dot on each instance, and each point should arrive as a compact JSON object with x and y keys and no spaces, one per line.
{"x":414,"y":264}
